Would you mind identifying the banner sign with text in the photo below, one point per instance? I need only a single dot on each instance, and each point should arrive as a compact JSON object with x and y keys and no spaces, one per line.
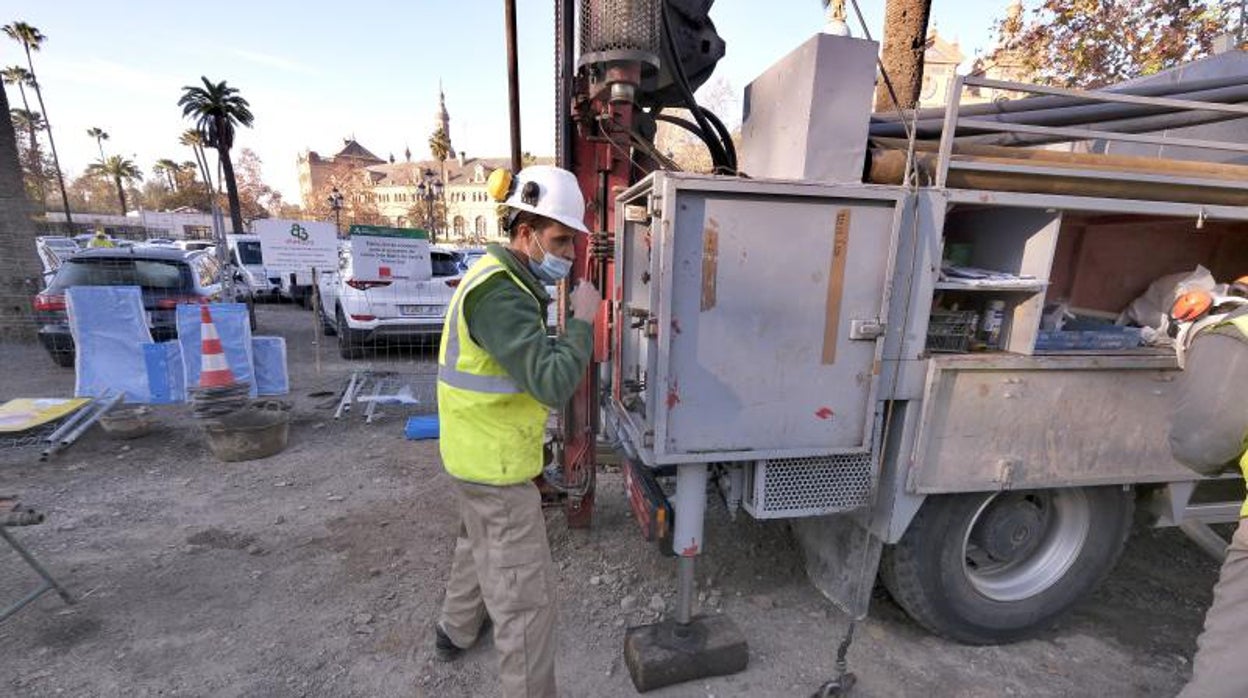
{"x":390,"y":254}
{"x":297,"y":246}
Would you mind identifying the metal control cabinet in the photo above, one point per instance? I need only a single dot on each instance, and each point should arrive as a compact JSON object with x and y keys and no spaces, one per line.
{"x":749,"y":318}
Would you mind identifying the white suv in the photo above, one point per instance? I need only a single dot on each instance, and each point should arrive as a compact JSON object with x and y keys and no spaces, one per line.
{"x":366,"y":312}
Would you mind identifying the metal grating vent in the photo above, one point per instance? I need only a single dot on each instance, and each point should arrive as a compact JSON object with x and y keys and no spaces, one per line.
{"x":620,"y":30}
{"x":793,"y":487}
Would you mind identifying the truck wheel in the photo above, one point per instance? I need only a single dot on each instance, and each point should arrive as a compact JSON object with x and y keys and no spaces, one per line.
{"x":995,"y":568}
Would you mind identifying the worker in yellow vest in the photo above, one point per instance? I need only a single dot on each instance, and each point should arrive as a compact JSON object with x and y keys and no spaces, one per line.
{"x":1208,"y":431}
{"x":499,"y":376}
{"x":100,"y":240}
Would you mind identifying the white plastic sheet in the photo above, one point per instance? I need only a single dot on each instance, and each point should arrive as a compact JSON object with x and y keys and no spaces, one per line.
{"x":1152,"y":310}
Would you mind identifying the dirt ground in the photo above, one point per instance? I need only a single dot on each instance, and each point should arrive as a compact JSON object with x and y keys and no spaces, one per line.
{"x":319,"y":571}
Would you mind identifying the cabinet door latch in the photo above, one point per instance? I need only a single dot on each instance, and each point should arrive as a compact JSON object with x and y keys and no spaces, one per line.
{"x":866,"y":329}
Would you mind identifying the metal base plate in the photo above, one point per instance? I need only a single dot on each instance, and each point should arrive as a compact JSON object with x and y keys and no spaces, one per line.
{"x":667,"y":653}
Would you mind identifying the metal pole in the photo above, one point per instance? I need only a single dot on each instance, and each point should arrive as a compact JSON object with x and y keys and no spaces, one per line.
{"x":563,"y":92}
{"x":513,"y":83}
{"x":687,"y":539}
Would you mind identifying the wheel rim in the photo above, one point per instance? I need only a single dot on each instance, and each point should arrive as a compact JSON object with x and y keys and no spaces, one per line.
{"x":1018,"y":544}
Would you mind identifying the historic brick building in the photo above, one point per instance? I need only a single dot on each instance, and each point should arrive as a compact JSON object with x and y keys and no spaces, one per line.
{"x":393,"y":188}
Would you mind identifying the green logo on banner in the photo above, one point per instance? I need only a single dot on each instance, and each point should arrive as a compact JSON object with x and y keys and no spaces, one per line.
{"x":299,"y":232}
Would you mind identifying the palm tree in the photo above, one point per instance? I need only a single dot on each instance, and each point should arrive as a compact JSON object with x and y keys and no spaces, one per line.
{"x":167,"y":168}
{"x":100,"y":136}
{"x":193,"y":140}
{"x":26,"y":120}
{"x":121,"y":171}
{"x":217,"y":110}
{"x":17,"y":75}
{"x":440,"y":147}
{"x":180,"y":175}
{"x":19,"y":265}
{"x":31,"y":39}
{"x":901,"y":59}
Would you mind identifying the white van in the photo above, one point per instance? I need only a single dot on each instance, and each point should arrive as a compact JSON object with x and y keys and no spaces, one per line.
{"x":245,"y":254}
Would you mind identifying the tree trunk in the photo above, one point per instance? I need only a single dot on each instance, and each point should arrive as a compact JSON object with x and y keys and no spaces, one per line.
{"x":231,"y":190}
{"x":56,"y":161}
{"x":19,"y":263}
{"x":34,"y":151}
{"x":121,"y":194}
{"x":905,"y":39}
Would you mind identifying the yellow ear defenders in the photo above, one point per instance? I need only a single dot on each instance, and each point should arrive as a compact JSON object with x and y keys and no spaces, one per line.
{"x":501,"y":184}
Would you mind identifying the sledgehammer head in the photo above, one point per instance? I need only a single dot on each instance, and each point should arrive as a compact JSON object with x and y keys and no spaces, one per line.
{"x":668,"y":653}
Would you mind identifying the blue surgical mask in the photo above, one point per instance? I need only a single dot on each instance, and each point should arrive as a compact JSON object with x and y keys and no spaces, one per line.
{"x":551,"y":269}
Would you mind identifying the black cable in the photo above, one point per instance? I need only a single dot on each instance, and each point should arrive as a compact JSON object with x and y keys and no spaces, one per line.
{"x":719,"y":158}
{"x":730,"y":149}
{"x":691,"y":128}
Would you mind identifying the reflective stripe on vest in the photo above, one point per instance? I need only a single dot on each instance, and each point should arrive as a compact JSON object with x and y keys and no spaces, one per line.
{"x":448,"y":371}
{"x":491,"y":430}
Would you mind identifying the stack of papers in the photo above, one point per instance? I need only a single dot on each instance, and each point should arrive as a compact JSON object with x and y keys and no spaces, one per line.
{"x":972,"y":276}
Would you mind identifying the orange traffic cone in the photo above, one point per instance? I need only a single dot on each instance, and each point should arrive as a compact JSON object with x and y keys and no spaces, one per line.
{"x":214,"y":370}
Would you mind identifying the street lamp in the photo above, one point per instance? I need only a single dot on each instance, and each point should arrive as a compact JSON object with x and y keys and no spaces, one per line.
{"x":335,"y":203}
{"x":430,"y":191}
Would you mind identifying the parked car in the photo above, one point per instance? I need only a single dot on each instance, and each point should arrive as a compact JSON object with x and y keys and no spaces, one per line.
{"x":195,"y":245}
{"x":366,"y":312}
{"x":245,"y":253}
{"x":468,"y":257}
{"x":60,"y":244}
{"x":161,"y":242}
{"x":167,"y":277}
{"x":53,"y":250}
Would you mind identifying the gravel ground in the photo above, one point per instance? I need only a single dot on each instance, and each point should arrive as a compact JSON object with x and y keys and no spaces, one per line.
{"x":319,"y":571}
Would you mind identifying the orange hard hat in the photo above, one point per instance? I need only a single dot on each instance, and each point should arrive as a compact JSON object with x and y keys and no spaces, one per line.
{"x":1191,"y":305}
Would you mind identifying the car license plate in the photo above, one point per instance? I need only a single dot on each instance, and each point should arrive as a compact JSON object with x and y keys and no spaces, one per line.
{"x":425,"y":310}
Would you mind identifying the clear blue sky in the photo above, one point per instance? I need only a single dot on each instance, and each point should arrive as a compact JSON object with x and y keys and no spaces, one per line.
{"x":317,"y":72}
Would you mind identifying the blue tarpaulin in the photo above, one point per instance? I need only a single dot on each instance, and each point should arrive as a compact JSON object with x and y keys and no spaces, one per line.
{"x":270,"y":363}
{"x":233,"y":326}
{"x":109,"y":326}
{"x":165,"y":374}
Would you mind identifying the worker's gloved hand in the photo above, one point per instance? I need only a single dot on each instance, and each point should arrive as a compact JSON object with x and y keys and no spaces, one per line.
{"x":585,"y":301}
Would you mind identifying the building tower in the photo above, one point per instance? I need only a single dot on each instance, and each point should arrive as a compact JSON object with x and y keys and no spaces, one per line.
{"x":442,"y":120}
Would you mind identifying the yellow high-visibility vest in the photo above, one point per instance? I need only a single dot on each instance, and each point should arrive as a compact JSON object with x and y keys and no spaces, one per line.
{"x":491,"y":431}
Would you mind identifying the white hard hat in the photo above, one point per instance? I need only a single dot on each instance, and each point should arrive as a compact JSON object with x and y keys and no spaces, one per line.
{"x":548,"y":191}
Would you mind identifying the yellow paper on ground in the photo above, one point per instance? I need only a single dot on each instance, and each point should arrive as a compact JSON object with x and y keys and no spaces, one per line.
{"x":27,"y":413}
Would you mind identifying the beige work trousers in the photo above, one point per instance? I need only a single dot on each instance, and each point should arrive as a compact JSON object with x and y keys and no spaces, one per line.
{"x":502,"y":566}
{"x":1220,"y":667}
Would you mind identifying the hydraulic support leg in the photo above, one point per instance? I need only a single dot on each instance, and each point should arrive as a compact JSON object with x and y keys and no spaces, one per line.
{"x":685,"y":647}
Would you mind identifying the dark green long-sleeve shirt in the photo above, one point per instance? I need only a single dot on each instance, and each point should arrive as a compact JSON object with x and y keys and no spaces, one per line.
{"x":510,"y":324}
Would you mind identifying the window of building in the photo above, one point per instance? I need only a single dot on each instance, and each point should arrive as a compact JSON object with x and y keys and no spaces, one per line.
{"x":458,"y":225}
{"x":479,"y":226}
